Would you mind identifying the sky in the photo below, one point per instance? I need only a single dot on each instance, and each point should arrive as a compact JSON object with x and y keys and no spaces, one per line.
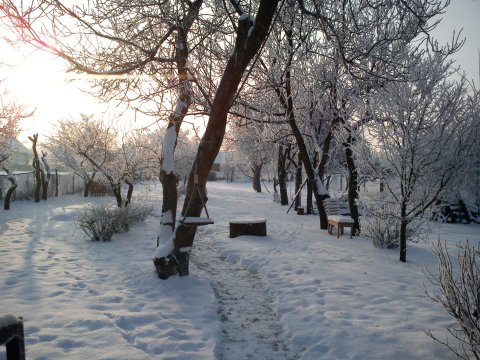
{"x":464,"y":14}
{"x":39,"y":81}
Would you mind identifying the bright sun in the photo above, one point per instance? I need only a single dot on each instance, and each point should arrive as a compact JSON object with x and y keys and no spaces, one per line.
{"x":39,"y":82}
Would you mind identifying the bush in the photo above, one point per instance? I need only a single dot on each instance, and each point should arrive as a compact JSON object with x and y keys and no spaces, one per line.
{"x":97,"y":221}
{"x":382,"y":224}
{"x":101,"y":221}
{"x":459,"y":294}
{"x":383,"y":229}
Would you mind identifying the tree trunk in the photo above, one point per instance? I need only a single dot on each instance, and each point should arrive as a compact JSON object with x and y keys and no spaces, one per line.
{"x":313,"y":176}
{"x":353,"y":184}
{"x":44,"y":185}
{"x":117,"y":192}
{"x":37,"y":167}
{"x":283,"y":153}
{"x":257,"y":177}
{"x":129,"y":192}
{"x":403,"y":234}
{"x":247,"y":45}
{"x":309,"y":198}
{"x":56,"y":183}
{"x":87,"y":187}
{"x":298,"y":184}
{"x":8,"y":196}
{"x":45,"y":179}
{"x":168,"y":178}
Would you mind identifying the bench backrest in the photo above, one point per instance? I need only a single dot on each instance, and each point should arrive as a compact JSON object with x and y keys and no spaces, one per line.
{"x":336,"y":207}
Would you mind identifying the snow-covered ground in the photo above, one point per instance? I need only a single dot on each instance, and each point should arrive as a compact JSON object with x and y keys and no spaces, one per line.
{"x":298,"y":293}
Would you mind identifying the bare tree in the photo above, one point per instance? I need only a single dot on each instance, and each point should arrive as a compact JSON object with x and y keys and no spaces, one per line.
{"x":458,"y":293}
{"x":423,"y":145}
{"x":252,"y":150}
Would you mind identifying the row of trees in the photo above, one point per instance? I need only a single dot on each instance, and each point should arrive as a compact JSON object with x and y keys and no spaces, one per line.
{"x":356,"y":82}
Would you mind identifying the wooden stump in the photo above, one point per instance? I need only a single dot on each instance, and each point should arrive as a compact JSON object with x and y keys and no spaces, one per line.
{"x":256,"y":227}
{"x":300,"y":210}
{"x":11,"y":335}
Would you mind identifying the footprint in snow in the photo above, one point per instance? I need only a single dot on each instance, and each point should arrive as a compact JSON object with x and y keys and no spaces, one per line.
{"x":249,"y":324}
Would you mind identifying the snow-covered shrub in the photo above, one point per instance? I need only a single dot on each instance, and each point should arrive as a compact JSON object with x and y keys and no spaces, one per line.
{"x":382,"y":225}
{"x":101,"y":221}
{"x":98,"y":221}
{"x":383,"y":230}
{"x":136,"y":211}
{"x":459,"y":294}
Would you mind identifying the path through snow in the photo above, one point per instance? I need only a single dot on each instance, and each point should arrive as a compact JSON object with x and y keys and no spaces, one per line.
{"x":249,"y":323}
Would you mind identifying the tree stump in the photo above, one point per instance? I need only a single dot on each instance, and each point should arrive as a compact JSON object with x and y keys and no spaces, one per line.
{"x":300,"y":210}
{"x":12,"y":336}
{"x":256,"y":227}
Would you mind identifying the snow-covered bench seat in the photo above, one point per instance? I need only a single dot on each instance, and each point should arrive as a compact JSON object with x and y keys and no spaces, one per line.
{"x":11,"y":335}
{"x":338,"y":216}
{"x":257,"y":227}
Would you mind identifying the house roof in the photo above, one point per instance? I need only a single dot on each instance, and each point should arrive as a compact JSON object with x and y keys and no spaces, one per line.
{"x":19,"y":147}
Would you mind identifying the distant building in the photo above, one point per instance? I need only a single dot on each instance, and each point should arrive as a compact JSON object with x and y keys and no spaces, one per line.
{"x":22,"y":157}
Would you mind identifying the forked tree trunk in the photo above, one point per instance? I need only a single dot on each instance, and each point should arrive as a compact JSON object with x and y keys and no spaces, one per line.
{"x":313,"y":176}
{"x":168,"y":178}
{"x":247,"y":45}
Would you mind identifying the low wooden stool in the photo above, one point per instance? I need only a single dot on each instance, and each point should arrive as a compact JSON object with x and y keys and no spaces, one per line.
{"x":257,"y":227}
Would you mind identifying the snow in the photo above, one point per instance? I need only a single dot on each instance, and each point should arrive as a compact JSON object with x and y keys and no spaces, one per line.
{"x":244,"y":17}
{"x":163,"y":250}
{"x":168,"y":150}
{"x":339,"y":218}
{"x":299,"y":293}
{"x":322,"y":190}
{"x":191,"y":220}
{"x":247,"y":221}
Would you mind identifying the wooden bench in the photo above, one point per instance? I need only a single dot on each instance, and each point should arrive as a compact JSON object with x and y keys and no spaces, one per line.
{"x":338,"y":216}
{"x":256,"y":227}
{"x":11,"y":335}
{"x":99,"y":189}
